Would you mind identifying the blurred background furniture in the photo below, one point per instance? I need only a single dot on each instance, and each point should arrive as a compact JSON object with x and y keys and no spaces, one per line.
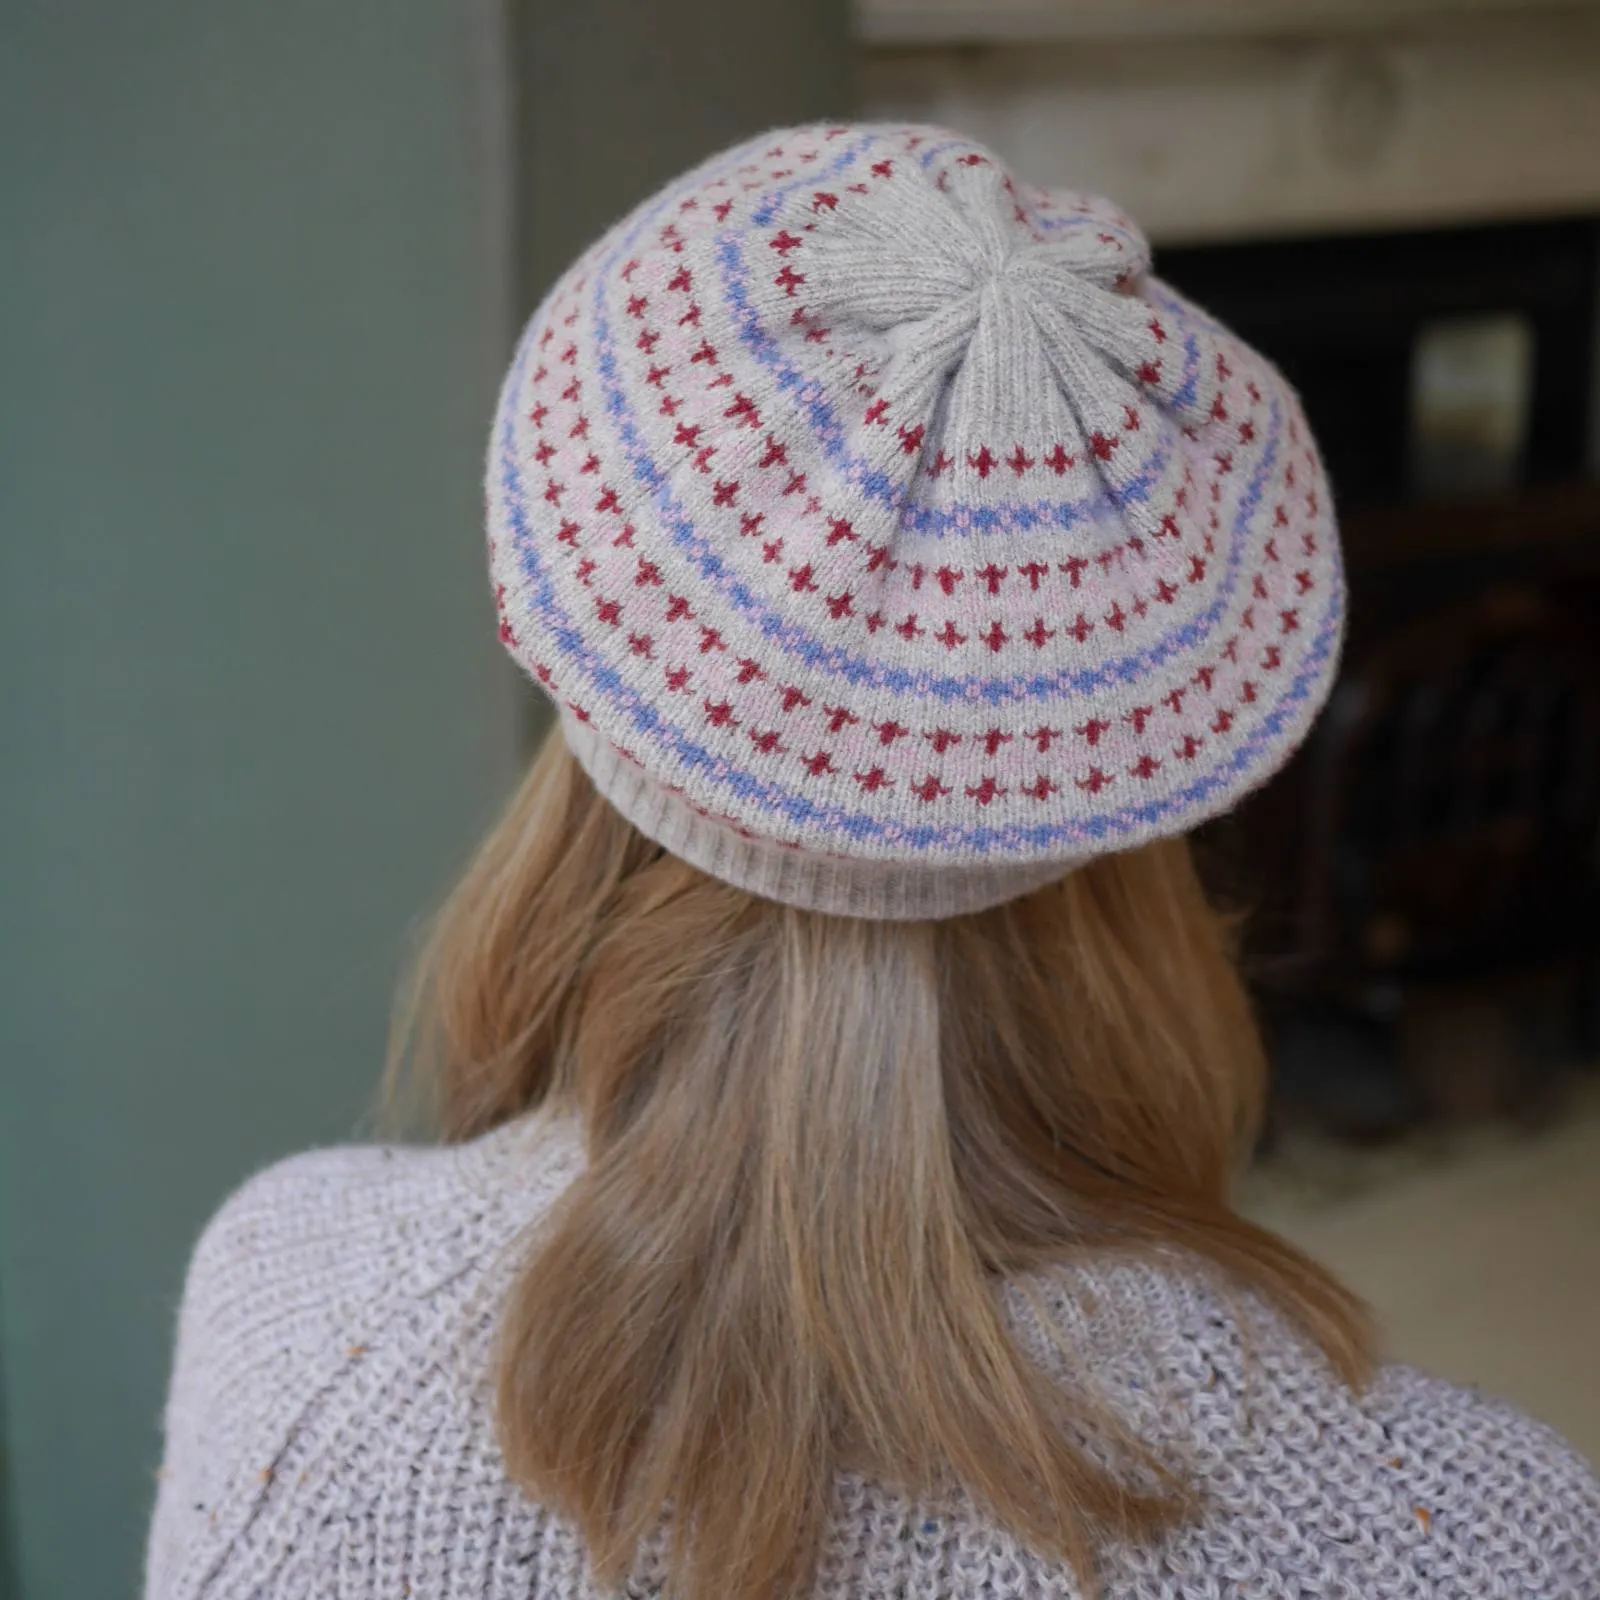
{"x":1441,"y":828}
{"x":1398,"y":202}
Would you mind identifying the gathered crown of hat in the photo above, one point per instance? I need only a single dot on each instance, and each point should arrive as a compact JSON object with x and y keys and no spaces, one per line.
{"x":892,"y":540}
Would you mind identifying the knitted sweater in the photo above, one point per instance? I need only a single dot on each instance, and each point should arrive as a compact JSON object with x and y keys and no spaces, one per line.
{"x":329,"y":1434}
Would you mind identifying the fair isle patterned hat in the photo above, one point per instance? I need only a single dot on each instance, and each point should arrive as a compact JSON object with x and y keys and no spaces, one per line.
{"x":892,"y":541}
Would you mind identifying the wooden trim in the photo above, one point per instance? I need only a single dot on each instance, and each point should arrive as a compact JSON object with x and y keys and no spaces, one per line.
{"x":979,"y":21}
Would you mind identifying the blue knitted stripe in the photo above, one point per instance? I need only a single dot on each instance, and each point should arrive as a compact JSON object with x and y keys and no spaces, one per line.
{"x":646,"y":722}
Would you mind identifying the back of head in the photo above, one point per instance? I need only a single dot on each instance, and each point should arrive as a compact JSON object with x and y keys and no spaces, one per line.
{"x":911,"y":571}
{"x":817,"y":1144}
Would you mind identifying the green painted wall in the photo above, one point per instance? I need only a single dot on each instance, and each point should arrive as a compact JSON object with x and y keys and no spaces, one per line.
{"x":251,"y":317}
{"x":257,"y":282}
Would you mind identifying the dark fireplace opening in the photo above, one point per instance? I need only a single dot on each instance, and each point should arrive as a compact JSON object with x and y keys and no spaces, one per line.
{"x":1422,"y":884}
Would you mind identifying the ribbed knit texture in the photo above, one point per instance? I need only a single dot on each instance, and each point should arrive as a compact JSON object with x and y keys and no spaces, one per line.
{"x":879,"y":890}
{"x":860,"y":500}
{"x":330,"y":1430}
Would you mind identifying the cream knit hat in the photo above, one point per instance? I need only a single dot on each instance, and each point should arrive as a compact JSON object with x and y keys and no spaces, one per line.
{"x":892,"y":541}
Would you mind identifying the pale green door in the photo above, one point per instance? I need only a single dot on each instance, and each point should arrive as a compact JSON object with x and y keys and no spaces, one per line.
{"x":252,"y":711}
{"x":259,"y":270}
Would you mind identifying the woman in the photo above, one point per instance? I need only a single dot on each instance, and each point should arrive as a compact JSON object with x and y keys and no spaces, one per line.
{"x":841,"y":1070}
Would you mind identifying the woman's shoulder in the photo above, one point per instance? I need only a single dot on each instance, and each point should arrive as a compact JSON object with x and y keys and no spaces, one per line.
{"x":373,"y":1219}
{"x":324,"y":1284}
{"x":1410,"y":1484}
{"x":1497,"y":1481}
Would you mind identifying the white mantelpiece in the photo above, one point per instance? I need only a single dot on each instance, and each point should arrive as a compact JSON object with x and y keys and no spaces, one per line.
{"x":1209,"y":119}
{"x":969,"y":21}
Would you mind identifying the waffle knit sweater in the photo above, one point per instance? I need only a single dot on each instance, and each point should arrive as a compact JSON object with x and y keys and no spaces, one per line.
{"x":330,"y":1434}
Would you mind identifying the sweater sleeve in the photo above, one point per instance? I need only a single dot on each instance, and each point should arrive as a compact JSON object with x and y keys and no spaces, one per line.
{"x":190,"y":1479}
{"x":288,"y":1300}
{"x":1558,"y":1492}
{"x":1493,"y":1490}
{"x":244,"y":1335}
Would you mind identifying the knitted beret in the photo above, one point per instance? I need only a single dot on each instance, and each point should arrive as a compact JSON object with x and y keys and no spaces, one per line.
{"x":891,"y":540}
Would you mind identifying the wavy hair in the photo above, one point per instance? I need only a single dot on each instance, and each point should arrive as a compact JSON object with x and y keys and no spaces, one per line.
{"x":816,"y":1147}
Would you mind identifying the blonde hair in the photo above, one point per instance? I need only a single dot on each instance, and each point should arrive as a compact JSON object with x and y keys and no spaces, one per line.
{"x":816,"y":1145}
